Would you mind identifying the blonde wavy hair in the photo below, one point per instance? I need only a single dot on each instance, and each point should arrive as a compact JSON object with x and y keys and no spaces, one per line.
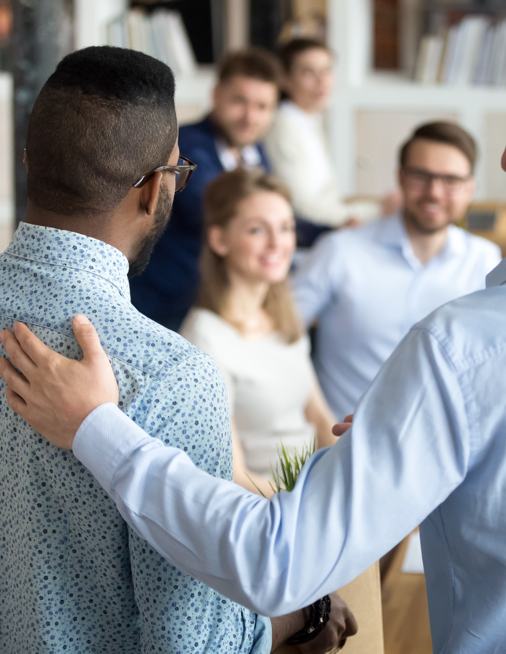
{"x":220,"y":204}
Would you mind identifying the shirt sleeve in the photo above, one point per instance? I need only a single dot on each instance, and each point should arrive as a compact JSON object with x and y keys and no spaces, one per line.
{"x":407,"y":451}
{"x":317,"y":277}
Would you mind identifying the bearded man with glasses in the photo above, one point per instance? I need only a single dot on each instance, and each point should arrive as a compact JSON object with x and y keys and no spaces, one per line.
{"x":368,"y":286}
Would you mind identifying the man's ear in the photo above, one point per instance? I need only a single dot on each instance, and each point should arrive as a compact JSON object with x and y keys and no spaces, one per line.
{"x":149,"y":193}
{"x":216,"y":240}
{"x":25,"y":160}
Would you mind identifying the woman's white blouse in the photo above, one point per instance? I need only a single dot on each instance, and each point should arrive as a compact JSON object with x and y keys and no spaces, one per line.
{"x":297,"y":150}
{"x":269,"y":384}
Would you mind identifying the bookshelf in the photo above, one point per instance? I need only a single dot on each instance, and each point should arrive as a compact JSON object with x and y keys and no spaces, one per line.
{"x":372,"y":113}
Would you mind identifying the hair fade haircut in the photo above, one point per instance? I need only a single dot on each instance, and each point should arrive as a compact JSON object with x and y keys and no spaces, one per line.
{"x":221,"y":198}
{"x":442,"y":132}
{"x":104,"y":118}
{"x":255,"y":63}
{"x":288,"y":52}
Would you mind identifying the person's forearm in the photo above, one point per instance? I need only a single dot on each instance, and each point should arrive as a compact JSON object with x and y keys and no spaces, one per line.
{"x":285,"y":626}
{"x":276,"y":556}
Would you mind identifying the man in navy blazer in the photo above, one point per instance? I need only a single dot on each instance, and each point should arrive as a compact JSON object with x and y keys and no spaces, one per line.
{"x":244,"y":100}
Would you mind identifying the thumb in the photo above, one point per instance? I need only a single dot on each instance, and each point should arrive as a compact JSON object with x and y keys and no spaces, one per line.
{"x":87,"y":337}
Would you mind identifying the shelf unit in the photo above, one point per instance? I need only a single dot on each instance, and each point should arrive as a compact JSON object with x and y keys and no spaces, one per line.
{"x":371,"y":114}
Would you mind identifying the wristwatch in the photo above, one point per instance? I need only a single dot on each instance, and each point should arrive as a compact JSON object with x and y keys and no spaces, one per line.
{"x":319,"y":614}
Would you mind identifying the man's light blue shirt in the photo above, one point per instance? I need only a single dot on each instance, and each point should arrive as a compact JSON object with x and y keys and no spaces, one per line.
{"x":367,"y":289}
{"x":73,"y":576}
{"x":427,"y":446}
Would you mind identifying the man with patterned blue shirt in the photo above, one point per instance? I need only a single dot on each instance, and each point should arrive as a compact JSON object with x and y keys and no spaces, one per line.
{"x":103,"y":165}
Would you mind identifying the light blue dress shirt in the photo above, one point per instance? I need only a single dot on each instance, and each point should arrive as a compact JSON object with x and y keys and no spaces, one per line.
{"x":428,"y":445}
{"x":73,"y":576}
{"x":367,"y":288}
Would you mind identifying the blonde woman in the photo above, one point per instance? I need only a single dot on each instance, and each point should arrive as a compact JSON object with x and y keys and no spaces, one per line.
{"x":246,"y":320}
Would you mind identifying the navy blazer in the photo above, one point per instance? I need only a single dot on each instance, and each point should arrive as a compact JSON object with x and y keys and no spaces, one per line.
{"x":169,"y":285}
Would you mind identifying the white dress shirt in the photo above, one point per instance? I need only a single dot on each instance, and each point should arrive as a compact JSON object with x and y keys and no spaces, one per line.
{"x":249,"y":154}
{"x":297,"y":148}
{"x":367,"y":288}
{"x":427,"y":446}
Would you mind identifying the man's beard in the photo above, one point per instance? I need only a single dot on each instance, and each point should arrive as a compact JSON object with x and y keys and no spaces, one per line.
{"x":420,"y":227}
{"x":162,"y":215}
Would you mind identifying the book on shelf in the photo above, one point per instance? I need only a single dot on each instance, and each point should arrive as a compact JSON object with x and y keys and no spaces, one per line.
{"x":427,"y":67}
{"x":160,"y":34}
{"x":471,"y":52}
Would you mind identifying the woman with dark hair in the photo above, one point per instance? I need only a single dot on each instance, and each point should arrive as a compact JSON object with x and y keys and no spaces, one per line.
{"x":297,"y":144}
{"x":246,"y":320}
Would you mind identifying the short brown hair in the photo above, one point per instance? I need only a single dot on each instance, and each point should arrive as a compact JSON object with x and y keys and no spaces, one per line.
{"x":255,"y":63}
{"x":288,"y":51}
{"x":221,"y":198}
{"x":442,"y":132}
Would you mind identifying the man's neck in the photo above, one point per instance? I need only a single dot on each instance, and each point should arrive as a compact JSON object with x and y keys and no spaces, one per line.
{"x":87,"y":226}
{"x":99,"y":227}
{"x":425,"y":245}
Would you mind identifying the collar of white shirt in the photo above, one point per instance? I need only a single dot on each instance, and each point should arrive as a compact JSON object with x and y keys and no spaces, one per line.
{"x":497,"y":276}
{"x":392,"y":231}
{"x":250,"y":155}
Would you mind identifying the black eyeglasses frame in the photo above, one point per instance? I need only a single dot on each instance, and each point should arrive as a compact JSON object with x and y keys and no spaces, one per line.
{"x":188,"y":168}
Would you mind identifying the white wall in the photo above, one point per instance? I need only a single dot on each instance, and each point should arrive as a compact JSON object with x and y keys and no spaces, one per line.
{"x":91,"y":18}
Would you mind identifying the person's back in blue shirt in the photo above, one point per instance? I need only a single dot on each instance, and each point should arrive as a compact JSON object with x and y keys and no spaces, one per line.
{"x":74,"y":577}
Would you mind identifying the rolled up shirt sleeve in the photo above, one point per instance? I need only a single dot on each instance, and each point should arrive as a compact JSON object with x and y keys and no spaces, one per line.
{"x":407,"y":450}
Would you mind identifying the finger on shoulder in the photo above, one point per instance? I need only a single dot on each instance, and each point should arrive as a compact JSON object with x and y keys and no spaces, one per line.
{"x":16,"y":353}
{"x":32,"y":346}
{"x":14,"y":380}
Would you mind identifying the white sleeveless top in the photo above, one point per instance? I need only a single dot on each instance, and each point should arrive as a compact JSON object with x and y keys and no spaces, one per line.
{"x":269,"y":384}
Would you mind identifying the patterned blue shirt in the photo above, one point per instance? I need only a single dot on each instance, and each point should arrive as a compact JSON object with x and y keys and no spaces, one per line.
{"x":73,"y":576}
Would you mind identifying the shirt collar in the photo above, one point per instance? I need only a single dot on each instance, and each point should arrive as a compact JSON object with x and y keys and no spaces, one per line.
{"x":250,"y":155}
{"x":392,"y":231}
{"x":497,"y":276}
{"x":58,"y":247}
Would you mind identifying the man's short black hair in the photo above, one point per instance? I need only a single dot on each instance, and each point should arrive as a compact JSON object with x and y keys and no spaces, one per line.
{"x":103,"y":119}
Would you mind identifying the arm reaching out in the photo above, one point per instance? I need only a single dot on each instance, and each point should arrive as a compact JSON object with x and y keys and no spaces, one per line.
{"x":55,"y":394}
{"x":272,"y":556}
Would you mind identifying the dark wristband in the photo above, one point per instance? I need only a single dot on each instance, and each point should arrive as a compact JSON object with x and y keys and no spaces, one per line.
{"x":319,"y":614}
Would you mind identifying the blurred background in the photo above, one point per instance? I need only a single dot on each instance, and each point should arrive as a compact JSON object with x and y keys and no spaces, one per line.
{"x":399,"y":63}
